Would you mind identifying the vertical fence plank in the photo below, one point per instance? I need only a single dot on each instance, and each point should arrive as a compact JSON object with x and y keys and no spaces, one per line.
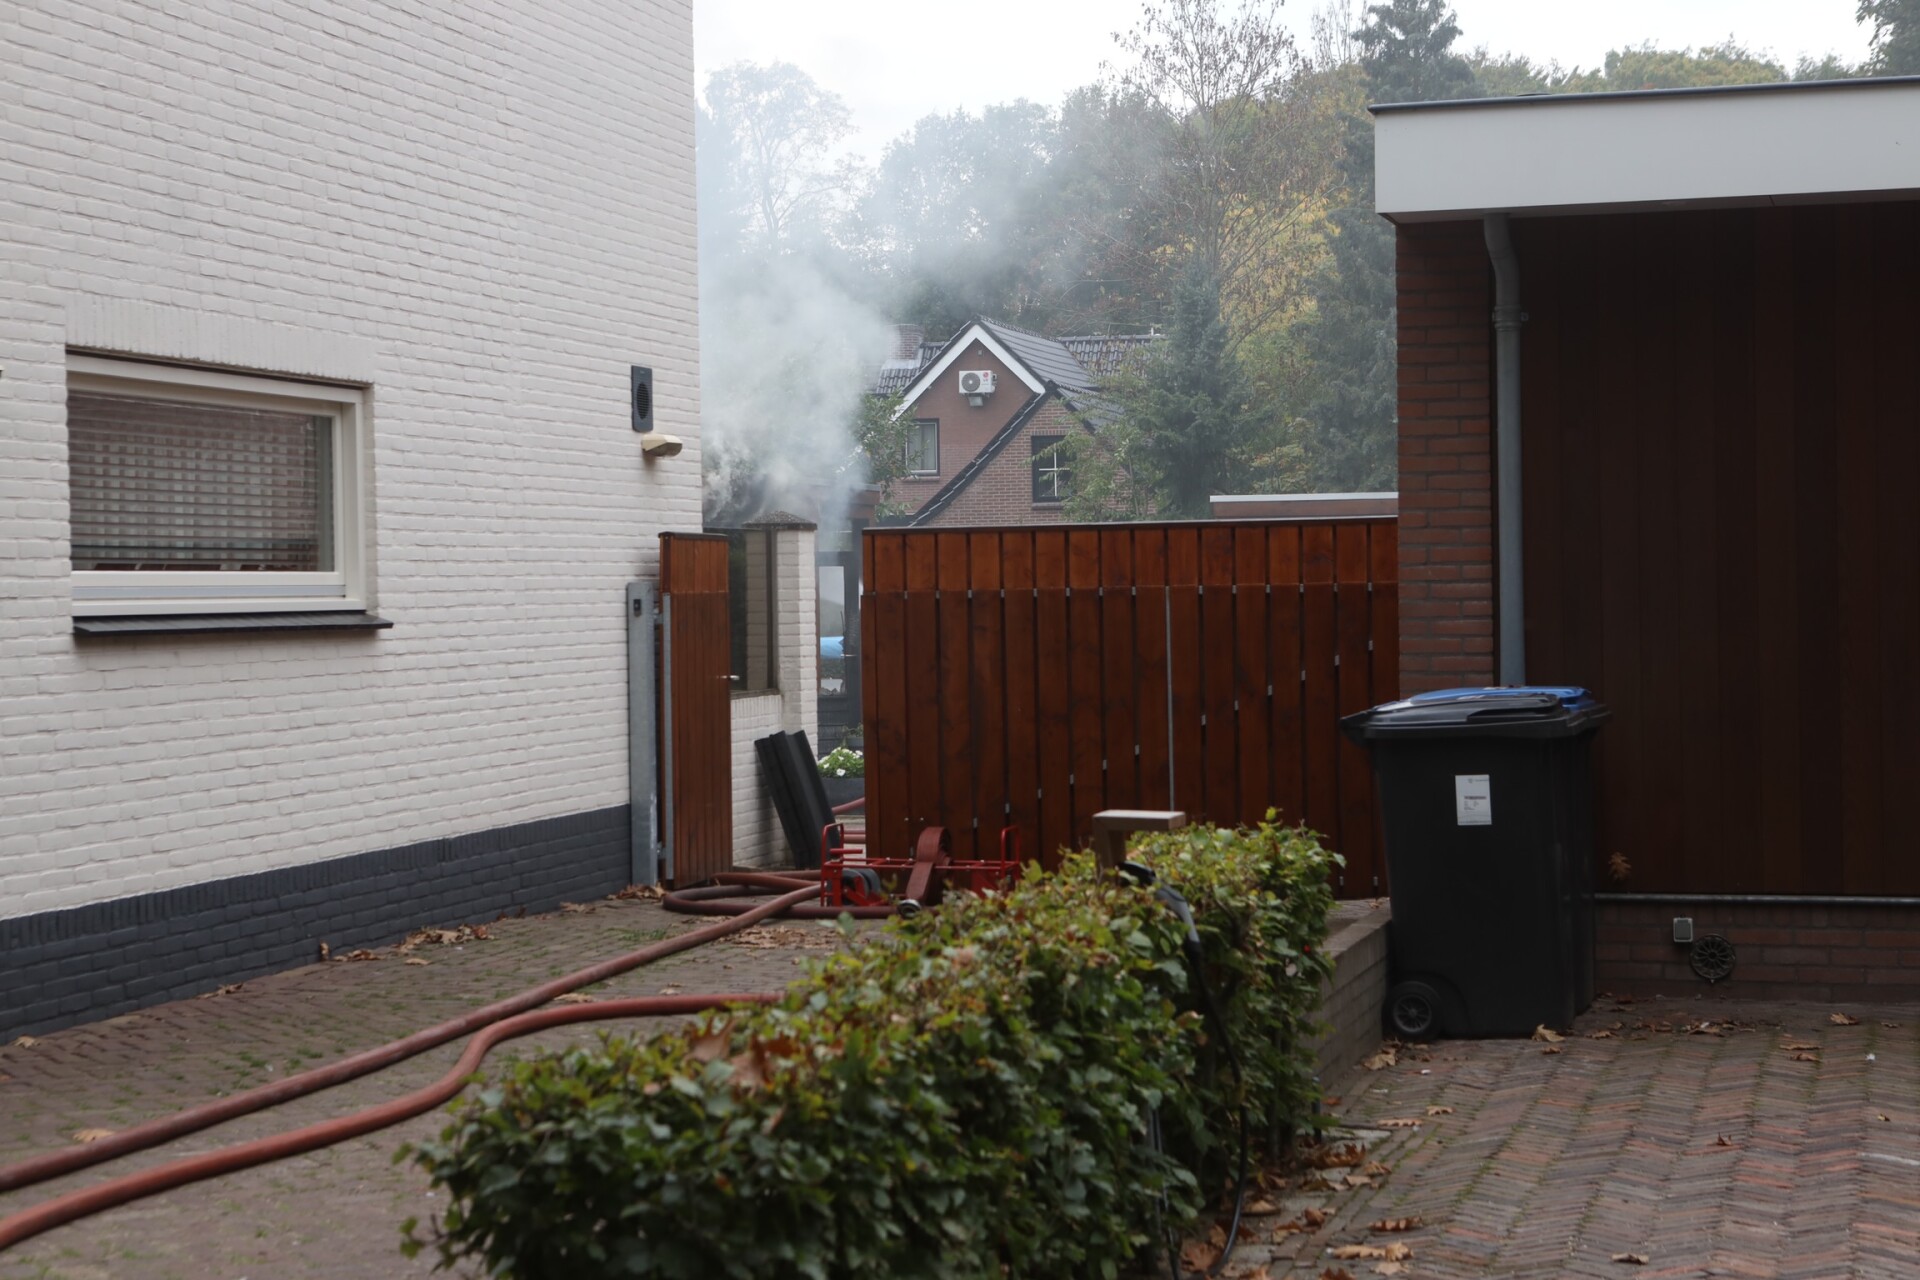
{"x":1055,"y":734}
{"x":1222,"y":778}
{"x":1250,"y":670}
{"x":1023,"y":742}
{"x":955,"y":731}
{"x":1184,"y":669}
{"x":1120,"y":747}
{"x":1150,"y":665}
{"x":988,"y":684}
{"x":1353,"y":613}
{"x":1318,"y":645}
{"x":1286,"y":718}
{"x":884,"y":657}
{"x":1087,"y":700}
{"x":922,"y":657}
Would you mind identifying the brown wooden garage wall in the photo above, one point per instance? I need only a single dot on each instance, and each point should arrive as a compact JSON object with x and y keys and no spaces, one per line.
{"x":1722,"y":443}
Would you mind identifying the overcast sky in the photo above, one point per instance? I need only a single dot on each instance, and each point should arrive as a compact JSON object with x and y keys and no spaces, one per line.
{"x":894,"y":61}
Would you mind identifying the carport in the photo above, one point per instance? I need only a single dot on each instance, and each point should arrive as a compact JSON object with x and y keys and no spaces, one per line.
{"x":1658,"y":435}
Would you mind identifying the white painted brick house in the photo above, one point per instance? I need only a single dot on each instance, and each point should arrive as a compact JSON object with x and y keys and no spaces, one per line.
{"x":413,"y":249}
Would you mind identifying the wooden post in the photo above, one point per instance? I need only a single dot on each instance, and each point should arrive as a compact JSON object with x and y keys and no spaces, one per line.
{"x":1111,"y":827}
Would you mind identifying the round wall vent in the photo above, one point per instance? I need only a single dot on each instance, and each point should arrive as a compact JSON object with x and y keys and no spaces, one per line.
{"x":1711,"y":956}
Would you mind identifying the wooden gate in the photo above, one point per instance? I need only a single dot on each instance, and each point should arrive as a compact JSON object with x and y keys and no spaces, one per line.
{"x":1032,"y":677}
{"x":696,"y":721}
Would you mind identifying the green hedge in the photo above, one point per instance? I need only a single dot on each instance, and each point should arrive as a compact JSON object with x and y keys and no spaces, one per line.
{"x":960,"y":1096}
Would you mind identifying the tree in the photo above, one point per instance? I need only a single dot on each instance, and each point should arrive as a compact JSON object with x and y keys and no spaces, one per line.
{"x":1405,"y":50}
{"x":953,"y":217}
{"x":1190,"y":425}
{"x":776,"y":131}
{"x":1896,"y":36}
{"x":1219,"y":158}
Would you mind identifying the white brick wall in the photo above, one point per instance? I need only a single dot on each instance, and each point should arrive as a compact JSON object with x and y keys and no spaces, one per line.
{"x":758,"y":840}
{"x":483,"y":210}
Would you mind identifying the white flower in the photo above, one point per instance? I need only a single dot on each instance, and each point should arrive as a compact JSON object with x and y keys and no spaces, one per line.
{"x":839,"y":773}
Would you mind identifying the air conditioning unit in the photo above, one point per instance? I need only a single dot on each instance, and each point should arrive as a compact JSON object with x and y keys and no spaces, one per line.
{"x":976,"y":384}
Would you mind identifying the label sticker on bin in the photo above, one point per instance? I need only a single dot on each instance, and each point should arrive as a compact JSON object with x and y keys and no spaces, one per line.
{"x":1472,"y":800}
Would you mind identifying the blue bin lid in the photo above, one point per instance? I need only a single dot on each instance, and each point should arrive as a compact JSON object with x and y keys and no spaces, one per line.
{"x":1526,"y":710}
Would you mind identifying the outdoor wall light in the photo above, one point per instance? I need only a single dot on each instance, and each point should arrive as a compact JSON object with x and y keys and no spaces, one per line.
{"x":658,"y":444}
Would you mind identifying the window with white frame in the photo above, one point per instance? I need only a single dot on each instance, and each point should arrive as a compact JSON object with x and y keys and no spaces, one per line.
{"x":923,"y":447}
{"x":1052,"y":470}
{"x":192,"y":491}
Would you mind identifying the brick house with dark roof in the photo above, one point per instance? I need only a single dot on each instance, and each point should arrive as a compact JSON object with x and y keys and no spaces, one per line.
{"x":988,"y":405}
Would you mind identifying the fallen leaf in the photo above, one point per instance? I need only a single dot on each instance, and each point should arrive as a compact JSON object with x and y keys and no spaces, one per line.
{"x":638,"y":893}
{"x":1340,"y":1156}
{"x":1199,"y":1255}
{"x":227,"y":990}
{"x":1618,"y":867}
{"x":92,"y":1135}
{"x":1381,"y":1060}
{"x":1843,"y":1020}
{"x":358,"y":953}
{"x":1891,"y":1026}
{"x":1389,"y":1268}
{"x":1262,"y":1208}
{"x":1805,"y":1057}
{"x":1795,"y":1047}
{"x":1723,"y":1141}
{"x":1373,"y":1253}
{"x":573,"y":997}
{"x":1552,"y":1048}
{"x":1395,"y":1224}
{"x":1355,"y":1181}
{"x":1258,"y":1273}
{"x":574,"y":908}
{"x":419,"y":960}
{"x":326,"y":952}
{"x":1374,"y":1169}
{"x":1401,"y":1122}
{"x":1439,"y":1111}
{"x":1634,"y":1259}
{"x":1336,"y":1273}
{"x":671,"y":989}
{"x":25,"y":1042}
{"x":1548,"y":1034}
{"x":1333,"y":1102}
{"x":1887,"y":1119}
{"x":1601,"y":1034}
{"x":1315,"y":1218}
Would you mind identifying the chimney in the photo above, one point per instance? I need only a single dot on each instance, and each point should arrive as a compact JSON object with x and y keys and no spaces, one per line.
{"x":906,"y":341}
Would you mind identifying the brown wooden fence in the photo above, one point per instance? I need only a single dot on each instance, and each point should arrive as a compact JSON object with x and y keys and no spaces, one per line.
{"x":696,"y":721}
{"x":1035,"y":676}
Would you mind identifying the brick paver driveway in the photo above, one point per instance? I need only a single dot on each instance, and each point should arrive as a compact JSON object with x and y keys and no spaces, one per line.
{"x":1712,"y":1139}
{"x":332,"y":1214}
{"x":1726,"y":1150}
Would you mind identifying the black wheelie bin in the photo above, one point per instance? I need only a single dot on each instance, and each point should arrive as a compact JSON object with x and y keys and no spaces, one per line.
{"x":1486,"y":797}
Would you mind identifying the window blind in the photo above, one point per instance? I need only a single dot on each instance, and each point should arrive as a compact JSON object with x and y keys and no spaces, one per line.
{"x":170,"y":485}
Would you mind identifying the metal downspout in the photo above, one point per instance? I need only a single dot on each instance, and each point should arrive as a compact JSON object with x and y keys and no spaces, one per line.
{"x":1507,"y":319}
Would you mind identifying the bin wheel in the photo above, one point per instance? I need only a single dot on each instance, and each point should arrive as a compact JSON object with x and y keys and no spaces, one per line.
{"x":1413,"y":1010}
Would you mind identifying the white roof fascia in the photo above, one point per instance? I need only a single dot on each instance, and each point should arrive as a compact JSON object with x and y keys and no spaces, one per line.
{"x":1792,"y":144}
{"x":972,"y":333}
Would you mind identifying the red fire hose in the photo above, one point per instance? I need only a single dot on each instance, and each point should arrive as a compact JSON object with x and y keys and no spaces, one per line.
{"x":38,"y":1169}
{"x":727,"y":895}
{"x":134,"y":1186}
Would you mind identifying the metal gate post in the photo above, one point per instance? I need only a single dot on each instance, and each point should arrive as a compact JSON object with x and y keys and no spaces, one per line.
{"x":643,"y":791}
